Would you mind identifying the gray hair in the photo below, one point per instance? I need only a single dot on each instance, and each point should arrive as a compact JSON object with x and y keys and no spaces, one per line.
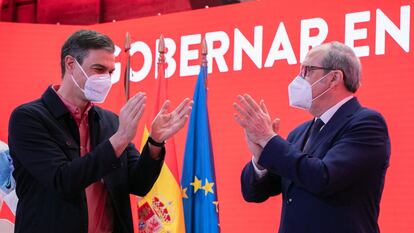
{"x":341,"y":57}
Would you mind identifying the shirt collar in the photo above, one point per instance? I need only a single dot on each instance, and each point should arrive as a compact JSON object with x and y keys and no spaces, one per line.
{"x":74,"y":110}
{"x":326,"y":116}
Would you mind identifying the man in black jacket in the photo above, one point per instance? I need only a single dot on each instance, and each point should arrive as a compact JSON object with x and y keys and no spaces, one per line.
{"x":75,"y":165}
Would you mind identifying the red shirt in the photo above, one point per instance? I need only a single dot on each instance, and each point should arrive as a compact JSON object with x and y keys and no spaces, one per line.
{"x":100,"y":212}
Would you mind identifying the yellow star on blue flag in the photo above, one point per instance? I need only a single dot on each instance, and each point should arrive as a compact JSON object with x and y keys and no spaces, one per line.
{"x":208,"y":187}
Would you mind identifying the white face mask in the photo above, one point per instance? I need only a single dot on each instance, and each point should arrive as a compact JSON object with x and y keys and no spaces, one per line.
{"x":300,"y":92}
{"x":97,"y":86}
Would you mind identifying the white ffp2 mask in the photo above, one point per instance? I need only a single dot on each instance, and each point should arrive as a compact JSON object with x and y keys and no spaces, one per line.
{"x":300,"y":92}
{"x":97,"y":86}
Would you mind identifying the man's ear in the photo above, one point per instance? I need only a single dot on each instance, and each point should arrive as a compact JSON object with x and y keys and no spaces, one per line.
{"x":69,"y":64}
{"x":338,"y":76}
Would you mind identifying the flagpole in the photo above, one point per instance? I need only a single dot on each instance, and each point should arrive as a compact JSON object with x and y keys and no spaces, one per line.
{"x":161,"y":50}
{"x":204,"y":62}
{"x":128,"y":65}
{"x":204,"y":52}
{"x":160,"y":89}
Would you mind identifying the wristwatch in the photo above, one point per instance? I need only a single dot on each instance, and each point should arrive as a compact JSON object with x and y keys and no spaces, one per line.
{"x":155,"y":143}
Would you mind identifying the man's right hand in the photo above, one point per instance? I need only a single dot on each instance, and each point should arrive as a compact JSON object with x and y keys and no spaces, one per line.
{"x":257,"y":149}
{"x":129,"y":117}
{"x":254,"y":148}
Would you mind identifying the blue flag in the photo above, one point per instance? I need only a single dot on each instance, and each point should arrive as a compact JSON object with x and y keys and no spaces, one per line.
{"x":198,"y":181}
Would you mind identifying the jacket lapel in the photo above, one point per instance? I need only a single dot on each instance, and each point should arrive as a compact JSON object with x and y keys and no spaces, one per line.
{"x":69,"y":139}
{"x":338,"y":120}
{"x":300,"y":143}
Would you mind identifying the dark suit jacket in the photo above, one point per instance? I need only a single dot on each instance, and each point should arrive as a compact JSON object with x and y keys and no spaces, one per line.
{"x":334,"y":187}
{"x":51,"y":177}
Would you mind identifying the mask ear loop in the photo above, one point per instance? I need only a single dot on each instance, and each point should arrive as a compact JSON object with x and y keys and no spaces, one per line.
{"x":76,"y":83}
{"x":84,"y":73}
{"x":320,"y":79}
{"x":81,"y":68}
{"x":323,"y":91}
{"x":73,"y":79}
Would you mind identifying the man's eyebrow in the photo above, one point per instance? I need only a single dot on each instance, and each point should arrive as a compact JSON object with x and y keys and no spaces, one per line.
{"x":99,"y":66}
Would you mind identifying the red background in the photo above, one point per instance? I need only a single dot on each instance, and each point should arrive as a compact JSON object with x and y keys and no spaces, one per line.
{"x":29,"y":62}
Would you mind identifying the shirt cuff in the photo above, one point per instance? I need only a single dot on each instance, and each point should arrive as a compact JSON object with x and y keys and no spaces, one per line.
{"x":263,"y":144}
{"x":260,"y":173}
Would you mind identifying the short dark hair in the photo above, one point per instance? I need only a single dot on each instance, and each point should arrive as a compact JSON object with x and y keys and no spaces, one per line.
{"x":79,"y":43}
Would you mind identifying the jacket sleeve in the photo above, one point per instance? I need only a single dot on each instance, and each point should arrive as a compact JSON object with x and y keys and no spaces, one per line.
{"x":259,"y":190}
{"x":363,"y":147}
{"x":33,"y":146}
{"x":143,"y":171}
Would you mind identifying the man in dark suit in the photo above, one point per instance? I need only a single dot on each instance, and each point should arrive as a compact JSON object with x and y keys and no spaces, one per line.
{"x":75,"y":165}
{"x":330,"y":170}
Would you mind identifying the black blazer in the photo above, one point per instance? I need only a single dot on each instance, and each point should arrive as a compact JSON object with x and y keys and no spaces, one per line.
{"x":333,"y":187}
{"x":51,"y":177}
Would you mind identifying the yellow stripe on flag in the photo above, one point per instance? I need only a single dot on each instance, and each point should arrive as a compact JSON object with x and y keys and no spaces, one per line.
{"x":160,"y":211}
{"x":144,"y":139}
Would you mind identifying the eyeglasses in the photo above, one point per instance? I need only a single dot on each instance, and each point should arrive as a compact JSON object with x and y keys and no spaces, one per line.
{"x":304,"y":70}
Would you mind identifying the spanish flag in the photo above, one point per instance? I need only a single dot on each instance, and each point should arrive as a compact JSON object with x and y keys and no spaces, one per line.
{"x":161,"y":209}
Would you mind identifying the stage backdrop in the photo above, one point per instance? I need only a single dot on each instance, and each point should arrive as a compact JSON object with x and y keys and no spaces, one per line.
{"x":254,"y":48}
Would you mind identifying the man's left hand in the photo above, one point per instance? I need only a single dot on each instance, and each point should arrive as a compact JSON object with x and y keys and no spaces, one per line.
{"x":166,"y":124}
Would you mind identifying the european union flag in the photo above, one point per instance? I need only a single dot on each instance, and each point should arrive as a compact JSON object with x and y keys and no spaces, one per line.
{"x":198,"y":180}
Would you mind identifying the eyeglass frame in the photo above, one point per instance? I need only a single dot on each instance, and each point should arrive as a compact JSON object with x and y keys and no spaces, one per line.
{"x":304,"y":70}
